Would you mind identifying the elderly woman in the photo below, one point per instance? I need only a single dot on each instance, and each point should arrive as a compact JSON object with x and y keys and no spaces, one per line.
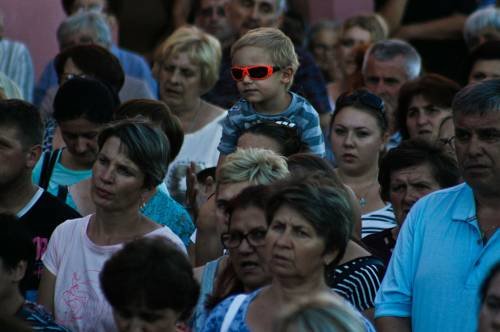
{"x":187,"y":66}
{"x":301,"y":241}
{"x":150,"y":285}
{"x":423,"y":104}
{"x":407,"y":173}
{"x":131,"y":162}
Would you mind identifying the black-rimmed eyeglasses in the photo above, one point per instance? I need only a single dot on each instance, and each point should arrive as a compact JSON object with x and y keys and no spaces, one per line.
{"x":232,"y":240}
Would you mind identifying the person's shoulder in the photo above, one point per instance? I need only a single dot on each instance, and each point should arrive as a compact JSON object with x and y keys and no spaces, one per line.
{"x":166,"y":232}
{"x":300,"y":103}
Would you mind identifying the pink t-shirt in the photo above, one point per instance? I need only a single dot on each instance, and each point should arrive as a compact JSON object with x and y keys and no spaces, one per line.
{"x":76,"y":262}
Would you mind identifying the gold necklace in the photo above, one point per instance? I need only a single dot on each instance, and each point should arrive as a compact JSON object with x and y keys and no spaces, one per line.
{"x":195,"y":117}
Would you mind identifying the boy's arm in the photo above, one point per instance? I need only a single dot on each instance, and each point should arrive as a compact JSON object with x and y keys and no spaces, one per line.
{"x":230,"y":134}
{"x":310,"y":131}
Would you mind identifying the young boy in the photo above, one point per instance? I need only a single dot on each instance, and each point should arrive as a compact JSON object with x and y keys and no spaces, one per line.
{"x":263,"y":64}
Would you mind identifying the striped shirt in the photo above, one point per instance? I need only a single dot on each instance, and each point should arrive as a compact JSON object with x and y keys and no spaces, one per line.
{"x":16,"y":64}
{"x":377,"y":221}
{"x":299,"y":113}
{"x":358,"y":280}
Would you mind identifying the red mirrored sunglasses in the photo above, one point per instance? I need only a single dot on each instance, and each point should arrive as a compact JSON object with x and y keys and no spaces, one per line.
{"x":257,"y":72}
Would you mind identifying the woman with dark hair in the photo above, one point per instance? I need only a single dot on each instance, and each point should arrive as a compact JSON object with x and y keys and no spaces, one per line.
{"x":91,"y":61}
{"x":489,"y":315}
{"x":407,"y":173}
{"x":150,"y":286}
{"x":131,"y":163}
{"x":359,"y":133}
{"x":282,"y":138}
{"x":423,"y":104}
{"x":483,"y":62}
{"x":300,"y":242}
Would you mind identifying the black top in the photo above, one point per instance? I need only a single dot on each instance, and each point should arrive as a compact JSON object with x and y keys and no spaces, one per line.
{"x":41,"y":220}
{"x":381,"y":244}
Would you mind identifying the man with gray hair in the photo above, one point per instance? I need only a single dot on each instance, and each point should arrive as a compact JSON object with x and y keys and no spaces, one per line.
{"x":481,"y":26}
{"x":387,"y":65}
{"x":91,"y":27}
{"x":450,"y":239}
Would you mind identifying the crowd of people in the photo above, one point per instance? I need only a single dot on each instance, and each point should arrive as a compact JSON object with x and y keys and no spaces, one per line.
{"x":244,"y":168}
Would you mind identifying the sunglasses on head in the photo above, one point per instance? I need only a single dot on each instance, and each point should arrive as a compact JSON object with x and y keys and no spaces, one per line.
{"x":257,"y":72}
{"x":364,"y":97}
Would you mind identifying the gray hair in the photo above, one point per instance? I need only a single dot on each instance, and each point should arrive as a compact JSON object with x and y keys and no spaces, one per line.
{"x":478,"y":98}
{"x":89,"y":21}
{"x":146,"y":146}
{"x":389,"y":49}
{"x":482,"y":23}
{"x":257,"y":166}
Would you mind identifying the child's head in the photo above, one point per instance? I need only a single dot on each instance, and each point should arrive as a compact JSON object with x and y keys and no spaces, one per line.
{"x":275,"y":46}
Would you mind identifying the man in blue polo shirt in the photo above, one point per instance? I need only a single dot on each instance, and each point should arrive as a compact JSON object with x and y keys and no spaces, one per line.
{"x":450,"y":239}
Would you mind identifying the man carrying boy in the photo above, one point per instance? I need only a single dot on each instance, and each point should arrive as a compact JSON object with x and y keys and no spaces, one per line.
{"x":263,"y":65}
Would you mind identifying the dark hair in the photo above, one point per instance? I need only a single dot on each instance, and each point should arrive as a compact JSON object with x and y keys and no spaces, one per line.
{"x":415,"y":152}
{"x":364,"y":101}
{"x":68,"y":6}
{"x":287,"y":137}
{"x":301,"y":164}
{"x":85,"y":98}
{"x":227,"y":282}
{"x":159,"y":114}
{"x":25,"y":118}
{"x":436,"y":89}
{"x":325,"y":206}
{"x":150,"y":272}
{"x":487,"y":282}
{"x":489,"y":50}
{"x":144,"y":145}
{"x":16,"y":246}
{"x":95,"y":61}
{"x":479,"y":98}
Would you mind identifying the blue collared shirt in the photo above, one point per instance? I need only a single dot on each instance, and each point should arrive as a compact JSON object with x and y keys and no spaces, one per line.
{"x":438,"y":264}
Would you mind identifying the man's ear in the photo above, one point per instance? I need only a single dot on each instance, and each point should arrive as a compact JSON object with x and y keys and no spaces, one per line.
{"x":32,"y":155}
{"x":287,"y":75}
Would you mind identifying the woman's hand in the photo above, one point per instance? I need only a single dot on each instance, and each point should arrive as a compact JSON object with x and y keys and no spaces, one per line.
{"x":197,"y":193}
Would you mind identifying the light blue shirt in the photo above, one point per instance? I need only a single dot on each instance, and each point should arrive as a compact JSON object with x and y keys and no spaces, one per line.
{"x":438,"y":264}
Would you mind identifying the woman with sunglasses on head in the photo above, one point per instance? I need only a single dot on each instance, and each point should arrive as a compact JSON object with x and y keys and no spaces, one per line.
{"x":186,"y":67}
{"x":359,"y":133}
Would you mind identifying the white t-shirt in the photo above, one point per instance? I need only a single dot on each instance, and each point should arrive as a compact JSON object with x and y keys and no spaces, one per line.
{"x":76,"y":262}
{"x":199,"y":147}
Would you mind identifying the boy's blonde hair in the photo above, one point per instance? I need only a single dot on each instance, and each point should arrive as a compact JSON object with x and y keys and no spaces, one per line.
{"x":278,"y":45}
{"x":203,"y":49}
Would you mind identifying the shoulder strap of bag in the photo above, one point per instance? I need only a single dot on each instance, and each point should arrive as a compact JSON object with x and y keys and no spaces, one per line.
{"x":232,"y":311}
{"x":49,"y":161}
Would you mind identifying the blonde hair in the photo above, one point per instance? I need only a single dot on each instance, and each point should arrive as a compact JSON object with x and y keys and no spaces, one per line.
{"x":372,"y":23}
{"x":202,"y":48}
{"x":278,"y":45}
{"x":320,"y":313}
{"x":257,"y":166}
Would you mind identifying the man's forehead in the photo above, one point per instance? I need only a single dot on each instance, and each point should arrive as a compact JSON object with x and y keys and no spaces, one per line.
{"x":390,"y":67}
{"x":211,"y":3}
{"x":477,"y":119}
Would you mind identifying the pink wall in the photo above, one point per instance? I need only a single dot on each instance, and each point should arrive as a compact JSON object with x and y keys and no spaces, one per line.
{"x":338,"y":9}
{"x":34,"y":22}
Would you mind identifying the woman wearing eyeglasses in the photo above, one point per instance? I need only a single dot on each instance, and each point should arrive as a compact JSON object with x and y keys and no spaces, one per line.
{"x":186,"y":67}
{"x":300,"y":242}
